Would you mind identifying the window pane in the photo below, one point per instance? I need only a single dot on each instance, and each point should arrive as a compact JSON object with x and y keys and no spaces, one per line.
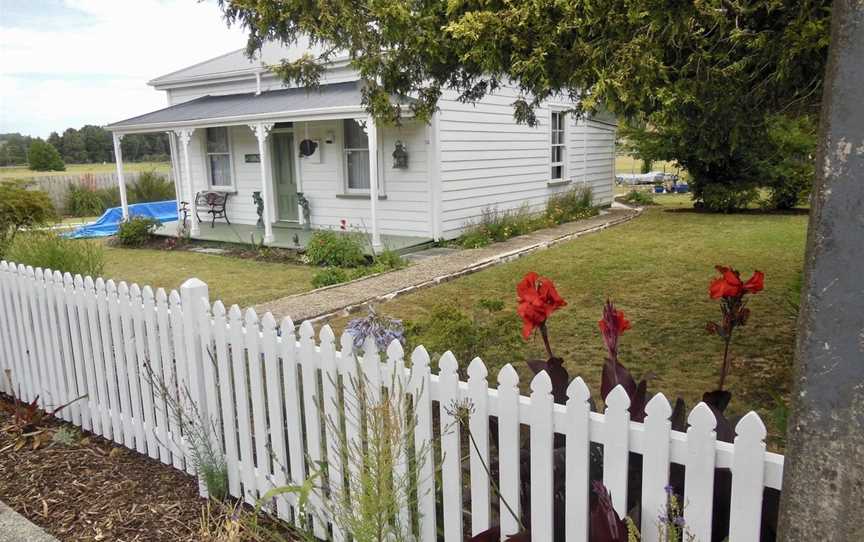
{"x":355,"y":136}
{"x":358,"y":170}
{"x":557,"y":154}
{"x":220,"y":170}
{"x":217,"y":139}
{"x":556,"y":172}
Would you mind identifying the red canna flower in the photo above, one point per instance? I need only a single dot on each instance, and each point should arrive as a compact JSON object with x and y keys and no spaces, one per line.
{"x":612,"y":325}
{"x":756,"y":283}
{"x":619,"y":323}
{"x":729,"y":284}
{"x":730,"y":290}
{"x":538,"y":299}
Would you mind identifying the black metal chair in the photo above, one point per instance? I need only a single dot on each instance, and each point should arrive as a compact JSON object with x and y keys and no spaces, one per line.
{"x":212,"y":203}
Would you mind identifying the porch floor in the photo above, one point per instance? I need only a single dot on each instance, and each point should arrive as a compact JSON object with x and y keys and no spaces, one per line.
{"x":283,"y":236}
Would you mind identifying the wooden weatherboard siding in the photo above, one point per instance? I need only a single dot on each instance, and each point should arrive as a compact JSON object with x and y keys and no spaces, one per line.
{"x":405,"y":211}
{"x":63,"y":337}
{"x":490,"y":161}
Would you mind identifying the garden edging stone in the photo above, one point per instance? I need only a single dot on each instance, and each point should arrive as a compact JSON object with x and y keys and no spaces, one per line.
{"x":16,"y":528}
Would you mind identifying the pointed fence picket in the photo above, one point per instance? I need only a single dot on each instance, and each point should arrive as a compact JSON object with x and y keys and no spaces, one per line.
{"x":282,"y":406}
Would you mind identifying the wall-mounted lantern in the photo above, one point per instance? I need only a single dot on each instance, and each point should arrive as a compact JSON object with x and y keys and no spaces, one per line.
{"x":400,"y":156}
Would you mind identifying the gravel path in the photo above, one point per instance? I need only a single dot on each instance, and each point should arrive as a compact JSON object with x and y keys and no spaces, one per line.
{"x":345,"y":298}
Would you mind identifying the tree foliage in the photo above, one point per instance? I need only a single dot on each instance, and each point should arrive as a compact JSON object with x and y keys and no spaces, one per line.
{"x":90,"y":144}
{"x":13,"y":149}
{"x":21,"y":208}
{"x":705,"y":75}
{"x":43,"y":156}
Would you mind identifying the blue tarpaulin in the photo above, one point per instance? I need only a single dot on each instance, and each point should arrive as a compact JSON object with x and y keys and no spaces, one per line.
{"x":109,"y":222}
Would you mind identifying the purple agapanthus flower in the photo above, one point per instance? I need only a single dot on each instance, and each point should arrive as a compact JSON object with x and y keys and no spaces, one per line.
{"x":381,"y":328}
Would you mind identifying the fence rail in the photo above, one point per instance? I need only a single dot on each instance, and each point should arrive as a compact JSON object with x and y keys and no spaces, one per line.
{"x":270,"y":390}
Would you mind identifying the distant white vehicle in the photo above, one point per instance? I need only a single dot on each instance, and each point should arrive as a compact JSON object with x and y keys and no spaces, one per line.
{"x":645,"y":178}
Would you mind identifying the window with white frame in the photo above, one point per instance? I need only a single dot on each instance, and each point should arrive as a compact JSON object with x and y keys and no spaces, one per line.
{"x":356,"y":156}
{"x":557,"y":145}
{"x":219,"y":158}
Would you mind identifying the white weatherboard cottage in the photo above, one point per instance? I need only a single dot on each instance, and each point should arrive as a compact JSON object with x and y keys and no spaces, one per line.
{"x":234,"y":127}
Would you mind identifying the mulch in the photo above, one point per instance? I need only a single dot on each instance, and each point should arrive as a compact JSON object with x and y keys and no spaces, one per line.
{"x":95,"y":490}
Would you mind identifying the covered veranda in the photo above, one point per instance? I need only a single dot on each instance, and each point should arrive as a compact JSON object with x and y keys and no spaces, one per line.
{"x":261,"y":113}
{"x":286,"y":236}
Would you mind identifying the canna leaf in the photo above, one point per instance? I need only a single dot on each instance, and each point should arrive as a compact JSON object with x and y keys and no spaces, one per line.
{"x":559,"y":376}
{"x":606,"y":526}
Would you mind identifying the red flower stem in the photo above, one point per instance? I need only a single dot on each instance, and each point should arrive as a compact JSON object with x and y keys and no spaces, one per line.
{"x":725,"y":369}
{"x":545,"y":336}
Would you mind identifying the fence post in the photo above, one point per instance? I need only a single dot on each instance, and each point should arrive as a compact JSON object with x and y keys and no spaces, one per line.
{"x":191,"y":293}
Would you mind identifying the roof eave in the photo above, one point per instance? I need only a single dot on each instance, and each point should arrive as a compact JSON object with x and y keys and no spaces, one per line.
{"x":165,"y":82}
{"x":324,"y":113}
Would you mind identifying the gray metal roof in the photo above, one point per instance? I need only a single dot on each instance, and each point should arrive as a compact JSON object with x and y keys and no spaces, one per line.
{"x":236,"y":62}
{"x":249,"y":104}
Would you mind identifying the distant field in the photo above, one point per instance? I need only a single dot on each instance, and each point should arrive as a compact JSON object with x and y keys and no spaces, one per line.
{"x":628,"y":164}
{"x":80,"y":169}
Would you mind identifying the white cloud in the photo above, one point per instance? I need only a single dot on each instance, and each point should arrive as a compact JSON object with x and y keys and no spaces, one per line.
{"x":89,"y":61}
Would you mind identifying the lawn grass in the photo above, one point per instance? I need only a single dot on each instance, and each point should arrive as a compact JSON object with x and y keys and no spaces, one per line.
{"x":657,"y":269}
{"x":22,"y":172}
{"x":233,"y":280}
{"x":628,"y":164}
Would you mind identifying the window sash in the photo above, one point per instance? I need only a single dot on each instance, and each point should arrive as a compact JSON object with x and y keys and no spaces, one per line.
{"x":356,"y":157}
{"x":557,"y":145}
{"x":219,"y":163}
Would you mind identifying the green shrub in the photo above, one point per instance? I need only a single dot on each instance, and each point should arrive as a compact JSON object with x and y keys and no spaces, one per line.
{"x":110,"y":197}
{"x":329,"y":276}
{"x":638,"y":197}
{"x":475,"y":237}
{"x":789,"y":168}
{"x":50,"y":251}
{"x":83,"y":201}
{"x":573,"y":204}
{"x":495,"y":225}
{"x":488,"y":331}
{"x":136,"y":231}
{"x":723,"y":198}
{"x":336,"y":249}
{"x":21,"y":208}
{"x":43,"y":156}
{"x":151,"y":186}
{"x":389,"y":259}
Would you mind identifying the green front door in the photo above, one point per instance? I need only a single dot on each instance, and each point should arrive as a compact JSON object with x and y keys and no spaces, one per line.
{"x":283,"y":176}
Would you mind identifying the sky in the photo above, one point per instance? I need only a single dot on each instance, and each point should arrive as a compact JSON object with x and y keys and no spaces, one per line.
{"x":67,"y":63}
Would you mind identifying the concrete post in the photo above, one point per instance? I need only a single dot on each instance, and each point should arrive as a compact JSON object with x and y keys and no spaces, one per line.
{"x":823,"y":483}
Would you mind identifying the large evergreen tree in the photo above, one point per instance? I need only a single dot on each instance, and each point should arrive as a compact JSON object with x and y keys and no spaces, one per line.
{"x":13,"y":149}
{"x":74,"y":150}
{"x":705,"y":75}
{"x":44,"y":157}
{"x":97,"y":143}
{"x":57,"y":141}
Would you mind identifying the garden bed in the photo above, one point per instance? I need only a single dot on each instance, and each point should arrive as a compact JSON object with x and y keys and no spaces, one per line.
{"x":94,"y":490}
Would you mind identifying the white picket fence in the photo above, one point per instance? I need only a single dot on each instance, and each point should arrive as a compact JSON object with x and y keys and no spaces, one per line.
{"x":64,"y":337}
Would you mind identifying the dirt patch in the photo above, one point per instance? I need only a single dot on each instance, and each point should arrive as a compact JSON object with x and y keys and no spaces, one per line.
{"x":243,"y":251}
{"x":94,"y":490}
